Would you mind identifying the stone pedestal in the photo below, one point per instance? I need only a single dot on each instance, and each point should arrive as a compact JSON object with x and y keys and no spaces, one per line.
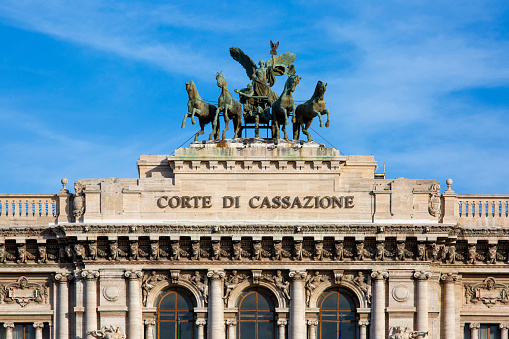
{"x":231,"y":325}
{"x":134,"y":310}
{"x":422,"y":301}
{"x":38,"y":330}
{"x":503,"y":331}
{"x":149,"y":328}
{"x":281,"y":324}
{"x":216,"y":305}
{"x":200,"y":324}
{"x":62,"y":306}
{"x":378,"y":316}
{"x":474,"y":330}
{"x":90,"y":301}
{"x":363,"y":324}
{"x":8,"y":330}
{"x":312,"y":324}
{"x":449,"y":306}
{"x":297,"y":328}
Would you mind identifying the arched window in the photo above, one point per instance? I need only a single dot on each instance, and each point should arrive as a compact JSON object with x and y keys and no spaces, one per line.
{"x":175,"y":319}
{"x":337,"y":314}
{"x":257,"y":319}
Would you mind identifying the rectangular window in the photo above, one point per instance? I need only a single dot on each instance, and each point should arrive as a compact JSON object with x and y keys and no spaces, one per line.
{"x":485,"y":331}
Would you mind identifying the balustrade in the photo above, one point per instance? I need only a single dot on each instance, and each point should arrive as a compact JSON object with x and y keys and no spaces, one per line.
{"x":483,"y":210}
{"x":25,"y":207}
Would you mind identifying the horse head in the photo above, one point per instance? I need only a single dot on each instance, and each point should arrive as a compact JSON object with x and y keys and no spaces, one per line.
{"x":320,"y":89}
{"x":220,"y":79}
{"x":191,"y":87}
{"x":291,"y":83}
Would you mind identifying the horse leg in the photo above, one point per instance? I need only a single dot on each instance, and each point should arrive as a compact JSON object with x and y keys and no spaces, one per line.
{"x":326,"y":111}
{"x":305,"y":127}
{"x":216,"y":117}
{"x":201,"y":131}
{"x":192,"y":115}
{"x":184,"y":121}
{"x":226,"y":121}
{"x":284,"y":130}
{"x":237,"y":126}
{"x":215,"y":132}
{"x":296,"y":129}
{"x":319,"y":114}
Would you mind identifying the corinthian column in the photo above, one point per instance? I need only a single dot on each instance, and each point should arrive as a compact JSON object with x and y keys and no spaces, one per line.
{"x":362,"y":328}
{"x":281,"y":324}
{"x":149,"y":328}
{"x":90,"y":301}
{"x":503,"y":330}
{"x":62,"y":306}
{"x":134,"y":311}
{"x":312,"y":328}
{"x":216,"y":305}
{"x":200,"y":324}
{"x":230,"y":324}
{"x":378,"y":316}
{"x":38,"y":330}
{"x":8,"y":330}
{"x":297,"y":328}
{"x":422,"y":301}
{"x":474,"y":330}
{"x":449,"y":327}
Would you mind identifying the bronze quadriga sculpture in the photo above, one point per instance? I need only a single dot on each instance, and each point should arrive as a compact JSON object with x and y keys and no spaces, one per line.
{"x":305,"y":112}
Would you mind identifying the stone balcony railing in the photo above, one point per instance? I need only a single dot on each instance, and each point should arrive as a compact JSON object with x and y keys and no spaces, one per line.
{"x":482,"y":210}
{"x":33,"y":209}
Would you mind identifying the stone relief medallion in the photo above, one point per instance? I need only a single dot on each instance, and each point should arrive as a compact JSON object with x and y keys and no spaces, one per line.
{"x":111,"y":292}
{"x":400,"y":293}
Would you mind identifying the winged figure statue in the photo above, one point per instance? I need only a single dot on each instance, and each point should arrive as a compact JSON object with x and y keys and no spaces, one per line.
{"x":264,"y":75}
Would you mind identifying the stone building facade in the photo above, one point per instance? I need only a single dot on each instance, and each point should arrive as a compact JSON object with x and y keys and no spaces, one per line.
{"x":252,"y":238}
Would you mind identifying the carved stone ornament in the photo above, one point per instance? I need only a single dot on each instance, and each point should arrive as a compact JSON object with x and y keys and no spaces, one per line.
{"x":111,"y":292}
{"x":400,"y":293}
{"x":401,"y":332}
{"x":108,"y":332}
{"x":434,"y":202}
{"x":489,"y":292}
{"x":23,"y":292}
{"x":78,"y":203}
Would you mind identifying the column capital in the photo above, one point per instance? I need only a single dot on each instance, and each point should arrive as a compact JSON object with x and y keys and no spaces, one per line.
{"x":312,"y":322}
{"x":504,"y":326}
{"x":90,"y":275}
{"x":39,"y":324}
{"x":379,"y":275}
{"x":422,"y":275}
{"x":133,"y":275}
{"x":63,"y":277}
{"x":150,"y":322}
{"x":282,"y":322}
{"x":231,"y":322}
{"x":363,"y":323}
{"x":215,"y":274}
{"x":449,"y":278}
{"x":9,"y":325}
{"x":200,"y":322}
{"x":474,"y":326}
{"x":297,"y":275}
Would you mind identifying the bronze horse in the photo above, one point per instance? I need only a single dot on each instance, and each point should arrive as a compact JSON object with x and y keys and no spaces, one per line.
{"x":305,"y":112}
{"x":232,"y":108}
{"x":283,"y":106}
{"x":204,"y":111}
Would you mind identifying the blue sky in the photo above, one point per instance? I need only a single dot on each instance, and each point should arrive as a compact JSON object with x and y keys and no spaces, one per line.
{"x":88,"y":86}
